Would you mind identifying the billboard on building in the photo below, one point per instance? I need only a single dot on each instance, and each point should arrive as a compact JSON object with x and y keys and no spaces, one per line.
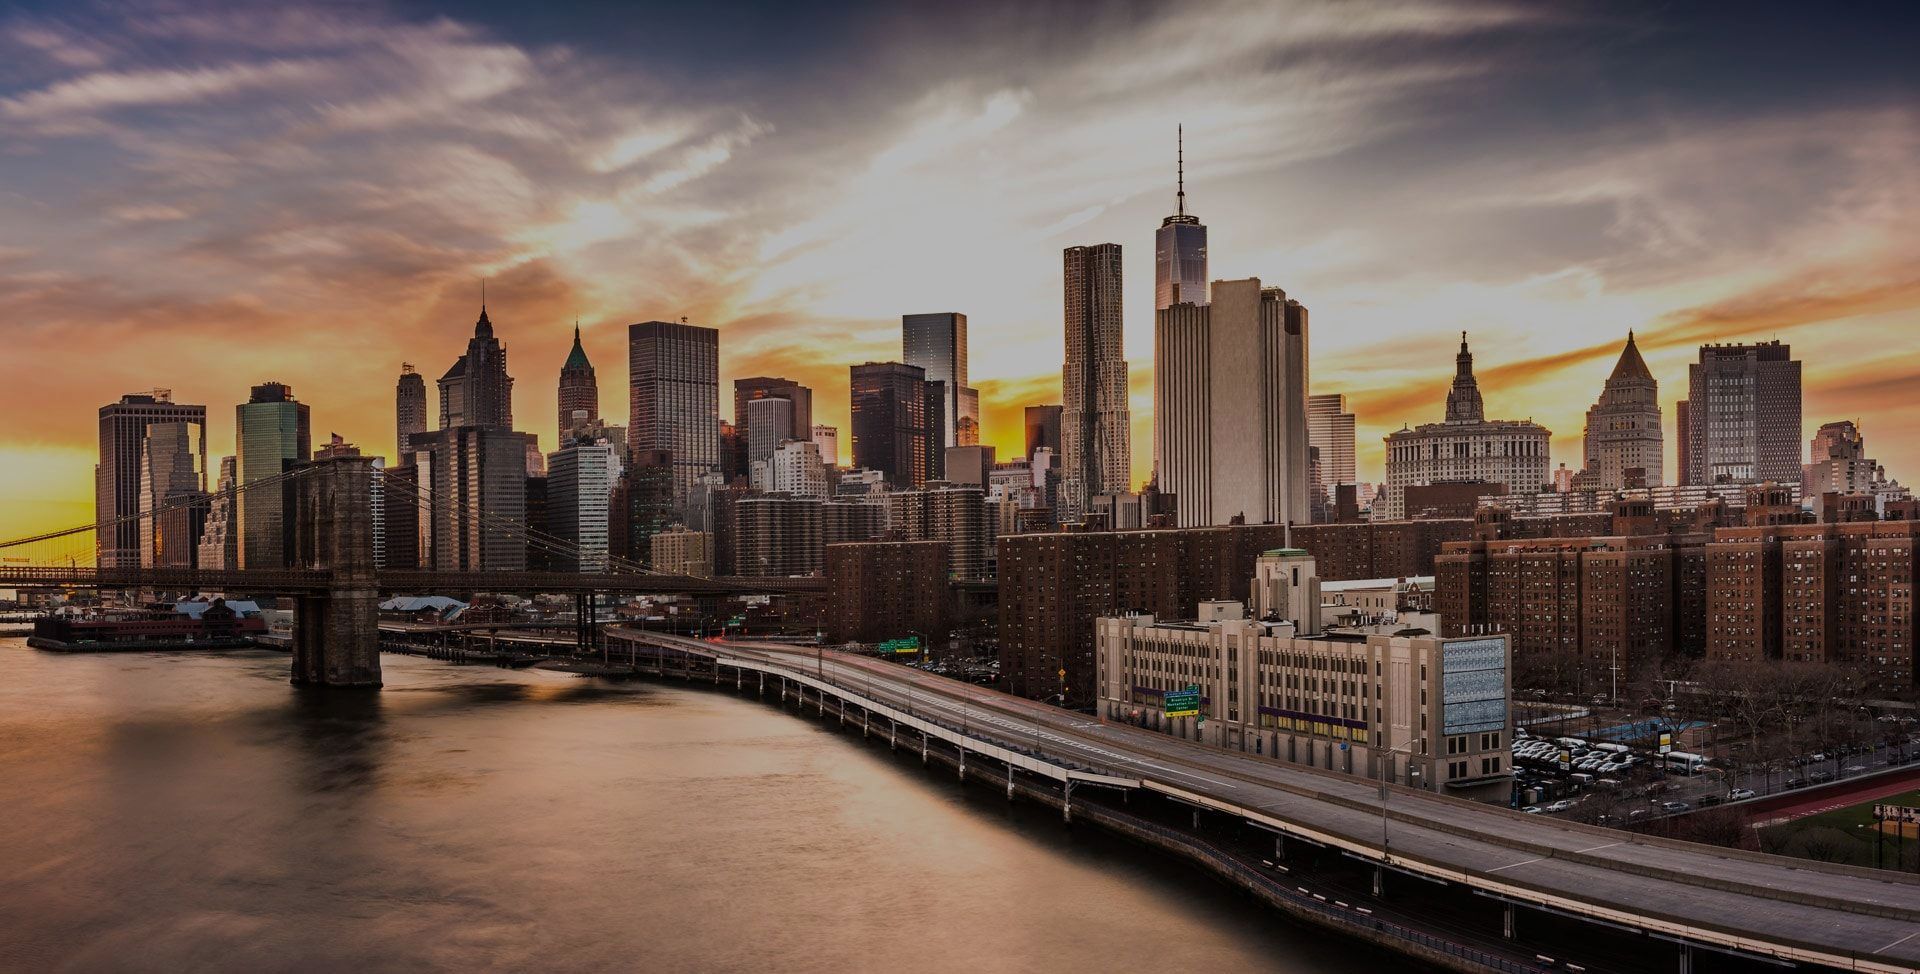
{"x":1473,"y":686}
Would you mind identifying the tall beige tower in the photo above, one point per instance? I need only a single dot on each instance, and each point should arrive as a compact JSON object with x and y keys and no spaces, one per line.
{"x":1230,"y":406}
{"x":1623,"y":427}
{"x":1095,"y":432}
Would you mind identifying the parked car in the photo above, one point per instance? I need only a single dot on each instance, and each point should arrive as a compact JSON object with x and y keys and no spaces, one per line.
{"x":1559,"y":806}
{"x":1739,"y":794}
{"x":1821,"y":777}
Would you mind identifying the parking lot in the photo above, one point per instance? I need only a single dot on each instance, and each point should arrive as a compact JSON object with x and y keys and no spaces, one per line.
{"x":1609,"y":783}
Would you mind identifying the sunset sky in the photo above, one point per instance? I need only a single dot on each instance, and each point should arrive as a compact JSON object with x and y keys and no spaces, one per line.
{"x":202,"y":197}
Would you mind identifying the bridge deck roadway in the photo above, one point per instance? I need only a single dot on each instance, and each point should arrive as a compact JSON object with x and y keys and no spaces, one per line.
{"x":1794,"y":910}
{"x":313,"y":581}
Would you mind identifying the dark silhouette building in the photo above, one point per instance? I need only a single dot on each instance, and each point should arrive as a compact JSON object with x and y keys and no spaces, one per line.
{"x":897,"y":422}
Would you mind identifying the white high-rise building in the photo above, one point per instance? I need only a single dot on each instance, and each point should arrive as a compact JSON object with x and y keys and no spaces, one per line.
{"x":798,"y":470}
{"x":580,"y":481}
{"x":1230,"y":406}
{"x":769,"y":423}
{"x":1330,"y":430}
{"x":828,"y":439}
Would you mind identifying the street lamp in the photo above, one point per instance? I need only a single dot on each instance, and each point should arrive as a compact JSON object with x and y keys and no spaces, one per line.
{"x":1386,"y":771}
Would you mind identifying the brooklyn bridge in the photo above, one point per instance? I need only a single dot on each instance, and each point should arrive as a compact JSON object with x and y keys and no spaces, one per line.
{"x":332,"y":571}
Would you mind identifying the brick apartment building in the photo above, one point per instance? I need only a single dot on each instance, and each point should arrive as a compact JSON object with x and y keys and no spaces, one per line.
{"x":880,"y":590}
{"x":1664,"y":585}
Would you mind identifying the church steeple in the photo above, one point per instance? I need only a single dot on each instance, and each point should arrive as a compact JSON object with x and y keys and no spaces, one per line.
{"x":1463,"y":400}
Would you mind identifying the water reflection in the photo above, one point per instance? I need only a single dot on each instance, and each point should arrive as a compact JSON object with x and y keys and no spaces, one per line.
{"x":196,"y":812}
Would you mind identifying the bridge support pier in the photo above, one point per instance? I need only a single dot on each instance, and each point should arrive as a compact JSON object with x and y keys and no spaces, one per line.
{"x":963,"y":764}
{"x":923,"y":748}
{"x":336,"y":634}
{"x":1066,"y":804}
{"x":1379,"y":882}
{"x":1507,"y":927}
{"x":763,"y":684}
{"x":1686,"y":959}
{"x":1009,"y":781}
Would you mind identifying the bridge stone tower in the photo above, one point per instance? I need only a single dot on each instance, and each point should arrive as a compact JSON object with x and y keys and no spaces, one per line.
{"x":336,"y":635}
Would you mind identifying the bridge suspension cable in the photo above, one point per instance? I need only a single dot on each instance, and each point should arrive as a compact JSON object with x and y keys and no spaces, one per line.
{"x":71,"y":546}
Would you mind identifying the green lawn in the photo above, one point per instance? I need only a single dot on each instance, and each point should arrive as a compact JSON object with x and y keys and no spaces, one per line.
{"x":1843,"y":835}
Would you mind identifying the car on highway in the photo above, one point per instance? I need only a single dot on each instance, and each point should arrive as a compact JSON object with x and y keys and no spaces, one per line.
{"x":1705,"y":801}
{"x":1559,"y":806}
{"x":1856,"y":769}
{"x":1531,"y":810}
{"x":1739,"y":794}
{"x":1821,"y":777}
{"x":1675,"y":808}
{"x":1796,"y":782}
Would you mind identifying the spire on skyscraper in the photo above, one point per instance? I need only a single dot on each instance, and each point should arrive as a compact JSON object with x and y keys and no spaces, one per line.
{"x":1180,"y":165}
{"x":1463,"y":400}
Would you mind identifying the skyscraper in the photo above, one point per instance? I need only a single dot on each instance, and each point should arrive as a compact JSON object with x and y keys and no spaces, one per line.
{"x":579,"y":390}
{"x":673,"y":371}
{"x":769,"y":424}
{"x":896,"y":422}
{"x":1043,"y":429}
{"x":1623,"y":427}
{"x":1180,"y":249}
{"x":1741,"y":418}
{"x":173,"y":494}
{"x":745,"y":391}
{"x":580,"y":483}
{"x":272,"y":433}
{"x":1230,"y":406}
{"x":409,"y":408}
{"x":477,"y":482}
{"x":937,"y":344}
{"x":219,"y":545}
{"x":116,"y":479}
{"x":1330,"y":430}
{"x":1096,"y":447}
{"x":477,"y":391}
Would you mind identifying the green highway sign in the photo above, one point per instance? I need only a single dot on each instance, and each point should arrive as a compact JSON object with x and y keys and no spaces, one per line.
{"x":910,"y":644}
{"x":1182,"y":703}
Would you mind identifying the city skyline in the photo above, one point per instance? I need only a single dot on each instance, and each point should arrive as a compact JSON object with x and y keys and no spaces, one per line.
{"x":1549,"y":234}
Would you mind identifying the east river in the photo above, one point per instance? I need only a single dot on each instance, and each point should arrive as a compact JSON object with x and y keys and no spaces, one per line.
{"x":191,"y":811}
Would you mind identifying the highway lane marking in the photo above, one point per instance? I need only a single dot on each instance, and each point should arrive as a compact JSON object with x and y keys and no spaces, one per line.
{"x":1596,"y":848}
{"x":1513,"y":864}
{"x":1042,"y":733}
{"x":1897,"y":943}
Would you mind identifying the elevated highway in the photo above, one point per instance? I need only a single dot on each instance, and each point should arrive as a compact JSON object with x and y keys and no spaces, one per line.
{"x":1783,"y":911}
